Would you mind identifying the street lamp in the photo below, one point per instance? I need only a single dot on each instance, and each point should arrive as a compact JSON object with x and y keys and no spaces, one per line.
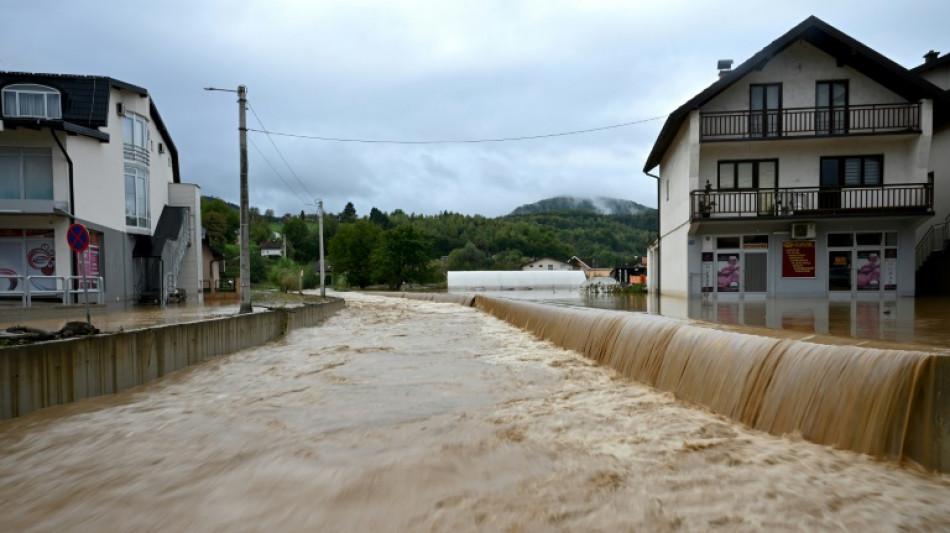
{"x":245,"y":217}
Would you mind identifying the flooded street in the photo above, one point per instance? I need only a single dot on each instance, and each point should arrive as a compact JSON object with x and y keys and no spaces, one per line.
{"x":404,"y":415}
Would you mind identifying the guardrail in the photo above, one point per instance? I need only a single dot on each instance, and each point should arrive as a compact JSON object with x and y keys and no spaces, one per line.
{"x":811,"y":201}
{"x":809,"y":121}
{"x":61,"y":287}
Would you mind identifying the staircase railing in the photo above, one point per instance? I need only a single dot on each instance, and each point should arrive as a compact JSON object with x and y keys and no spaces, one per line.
{"x":935,"y":240}
{"x":173,"y":254}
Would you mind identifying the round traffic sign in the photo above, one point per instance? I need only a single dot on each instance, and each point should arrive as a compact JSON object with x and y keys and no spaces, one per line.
{"x":78,"y":237}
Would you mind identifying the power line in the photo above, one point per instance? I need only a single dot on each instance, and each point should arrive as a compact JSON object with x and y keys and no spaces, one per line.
{"x":304,"y":187}
{"x":291,"y":189}
{"x":458,"y":141}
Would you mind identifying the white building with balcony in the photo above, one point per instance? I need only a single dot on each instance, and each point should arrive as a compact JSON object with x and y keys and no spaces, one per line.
{"x":92,"y":150}
{"x":805,"y":171}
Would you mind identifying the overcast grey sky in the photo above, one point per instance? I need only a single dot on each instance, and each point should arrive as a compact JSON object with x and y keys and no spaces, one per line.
{"x":419,"y":70}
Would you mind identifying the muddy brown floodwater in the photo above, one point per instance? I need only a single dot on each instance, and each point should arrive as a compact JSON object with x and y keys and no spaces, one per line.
{"x":402,"y":415}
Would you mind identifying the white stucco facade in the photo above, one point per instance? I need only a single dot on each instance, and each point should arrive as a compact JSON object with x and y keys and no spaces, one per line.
{"x":89,"y":160}
{"x":853,"y":239}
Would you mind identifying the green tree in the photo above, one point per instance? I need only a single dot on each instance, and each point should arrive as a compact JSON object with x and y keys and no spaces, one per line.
{"x":402,"y":255}
{"x":298,"y":236}
{"x":351,"y":251}
{"x":379,"y":218}
{"x":225,"y":219}
{"x":216,"y":226}
{"x":349,"y":214}
{"x":468,"y":257}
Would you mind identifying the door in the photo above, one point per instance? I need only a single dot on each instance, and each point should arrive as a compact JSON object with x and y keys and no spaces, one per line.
{"x":839,"y":270}
{"x":765,"y":105}
{"x":829,"y":194}
{"x":831,"y":107}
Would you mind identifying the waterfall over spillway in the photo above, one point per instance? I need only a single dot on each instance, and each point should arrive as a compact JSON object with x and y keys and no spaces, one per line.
{"x":888,"y":403}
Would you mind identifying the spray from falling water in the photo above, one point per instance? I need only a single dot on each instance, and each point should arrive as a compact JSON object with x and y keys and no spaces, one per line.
{"x":887,"y":403}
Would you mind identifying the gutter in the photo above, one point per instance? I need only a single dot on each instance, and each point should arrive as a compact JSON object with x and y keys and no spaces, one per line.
{"x":657,"y":229}
{"x":72,"y":199}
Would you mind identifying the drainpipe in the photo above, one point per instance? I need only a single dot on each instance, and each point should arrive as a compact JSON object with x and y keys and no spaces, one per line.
{"x":658,"y":237}
{"x":72,"y":201}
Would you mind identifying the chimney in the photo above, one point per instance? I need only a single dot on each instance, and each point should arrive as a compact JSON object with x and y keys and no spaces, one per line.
{"x":724,"y":66}
{"x":931,"y":56}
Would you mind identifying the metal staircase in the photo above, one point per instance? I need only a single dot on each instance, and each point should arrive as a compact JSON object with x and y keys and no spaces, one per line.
{"x":933,"y":260}
{"x":159,"y":258}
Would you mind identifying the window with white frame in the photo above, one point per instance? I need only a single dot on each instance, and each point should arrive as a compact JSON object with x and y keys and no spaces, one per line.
{"x":31,"y":101}
{"x":135,"y":138}
{"x":26,"y":174}
{"x":135,"y":142}
{"x":136,"y":197}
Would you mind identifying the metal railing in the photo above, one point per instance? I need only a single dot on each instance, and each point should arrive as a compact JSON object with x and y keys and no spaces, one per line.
{"x":914,"y":198}
{"x":59,"y":287}
{"x":136,"y":154}
{"x":809,"y":122}
{"x":220,"y":285}
{"x":935,"y":240}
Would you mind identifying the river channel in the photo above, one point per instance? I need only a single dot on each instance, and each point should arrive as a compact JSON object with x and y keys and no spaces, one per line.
{"x":405,"y":415}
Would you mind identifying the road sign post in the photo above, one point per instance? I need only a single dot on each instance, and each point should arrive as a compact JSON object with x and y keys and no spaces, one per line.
{"x":78,"y":238}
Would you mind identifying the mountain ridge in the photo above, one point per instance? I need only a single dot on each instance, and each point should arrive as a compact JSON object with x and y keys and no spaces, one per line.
{"x":601,"y":205}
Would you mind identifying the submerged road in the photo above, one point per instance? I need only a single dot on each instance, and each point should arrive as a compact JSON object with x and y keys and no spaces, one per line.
{"x":403,"y":415}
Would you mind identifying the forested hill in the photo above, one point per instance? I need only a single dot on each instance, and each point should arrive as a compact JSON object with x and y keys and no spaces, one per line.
{"x":450,"y":241}
{"x":601,"y":205}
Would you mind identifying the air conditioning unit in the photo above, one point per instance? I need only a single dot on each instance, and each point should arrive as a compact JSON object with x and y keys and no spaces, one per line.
{"x":119,"y":109}
{"x":803,"y":231}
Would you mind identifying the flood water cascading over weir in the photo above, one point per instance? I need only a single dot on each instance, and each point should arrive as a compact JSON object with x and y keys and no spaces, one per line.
{"x":887,"y":403}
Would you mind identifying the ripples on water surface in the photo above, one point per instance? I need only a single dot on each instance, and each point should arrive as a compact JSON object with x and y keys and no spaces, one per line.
{"x":400,"y":415}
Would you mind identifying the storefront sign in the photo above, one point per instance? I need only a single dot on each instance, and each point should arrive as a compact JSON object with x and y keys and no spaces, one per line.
{"x":798,"y":259}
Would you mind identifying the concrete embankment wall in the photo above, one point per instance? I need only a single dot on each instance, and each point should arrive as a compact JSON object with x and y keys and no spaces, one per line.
{"x":887,"y":402}
{"x":50,"y":373}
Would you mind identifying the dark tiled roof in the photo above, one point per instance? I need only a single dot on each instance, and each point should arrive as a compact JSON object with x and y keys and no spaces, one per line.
{"x":833,"y":42}
{"x":932,"y":64}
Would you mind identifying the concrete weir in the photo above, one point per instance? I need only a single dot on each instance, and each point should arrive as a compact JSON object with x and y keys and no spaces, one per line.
{"x":890,"y":403}
{"x":50,"y":373}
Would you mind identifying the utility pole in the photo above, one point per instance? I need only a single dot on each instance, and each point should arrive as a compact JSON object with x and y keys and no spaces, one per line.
{"x":245,"y":215}
{"x":323,"y":288}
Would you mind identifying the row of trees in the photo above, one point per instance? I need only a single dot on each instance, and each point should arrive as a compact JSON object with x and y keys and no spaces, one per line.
{"x":396,"y":248}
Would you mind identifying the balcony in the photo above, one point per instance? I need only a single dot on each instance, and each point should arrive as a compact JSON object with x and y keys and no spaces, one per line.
{"x":794,"y":202}
{"x":809,"y":122}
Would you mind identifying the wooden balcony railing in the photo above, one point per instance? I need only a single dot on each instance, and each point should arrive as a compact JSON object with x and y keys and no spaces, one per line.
{"x":809,"y":122}
{"x":912,"y":198}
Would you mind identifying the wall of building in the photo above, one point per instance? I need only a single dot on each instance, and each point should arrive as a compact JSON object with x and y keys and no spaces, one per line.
{"x":679,"y":174}
{"x":799,"y":160}
{"x":778,"y":233}
{"x":191,"y":275}
{"x":798,"y":68}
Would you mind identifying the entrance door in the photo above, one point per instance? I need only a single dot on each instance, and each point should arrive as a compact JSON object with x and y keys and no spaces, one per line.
{"x":839,"y":270}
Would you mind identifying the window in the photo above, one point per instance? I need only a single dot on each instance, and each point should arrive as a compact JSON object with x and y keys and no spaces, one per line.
{"x":748,"y":174}
{"x":31,"y":101}
{"x":26,"y":174}
{"x":135,"y":138}
{"x":765,"y":110}
{"x":831,"y":107}
{"x":136,"y":197}
{"x":135,"y":141}
{"x":852,"y":171}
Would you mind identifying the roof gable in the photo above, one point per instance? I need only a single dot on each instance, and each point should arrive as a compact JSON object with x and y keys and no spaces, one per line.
{"x":845,"y":50}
